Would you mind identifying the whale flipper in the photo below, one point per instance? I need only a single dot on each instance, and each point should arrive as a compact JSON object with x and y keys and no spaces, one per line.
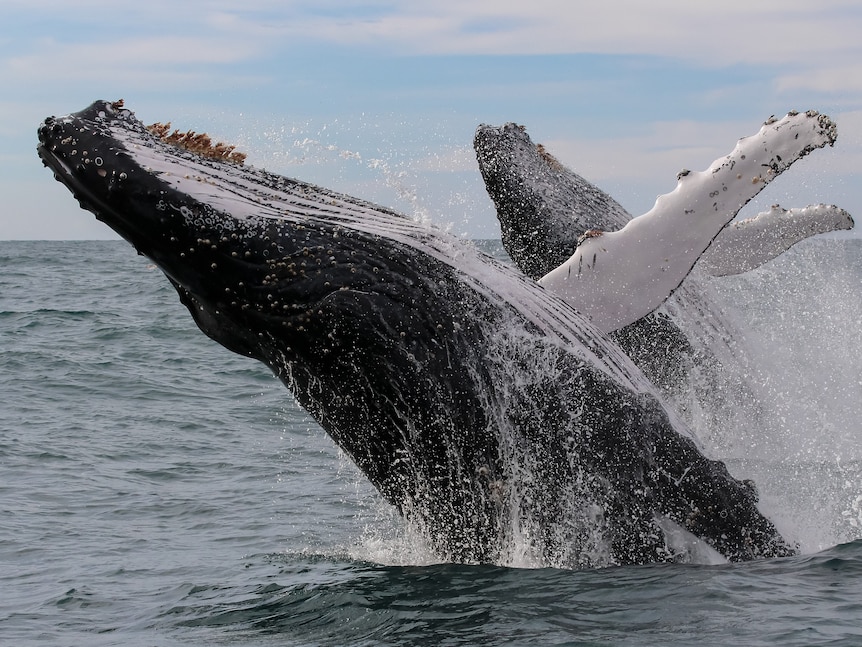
{"x":681,"y":347}
{"x":747,"y":244}
{"x":618,"y":277}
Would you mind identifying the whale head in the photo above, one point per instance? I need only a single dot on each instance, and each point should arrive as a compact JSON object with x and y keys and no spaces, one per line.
{"x":244,"y":248}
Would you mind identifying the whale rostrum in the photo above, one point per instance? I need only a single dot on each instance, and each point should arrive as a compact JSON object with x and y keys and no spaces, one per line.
{"x":485,"y":407}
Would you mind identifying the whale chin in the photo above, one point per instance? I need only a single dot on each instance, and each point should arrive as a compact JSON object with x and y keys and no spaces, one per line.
{"x":484,"y":407}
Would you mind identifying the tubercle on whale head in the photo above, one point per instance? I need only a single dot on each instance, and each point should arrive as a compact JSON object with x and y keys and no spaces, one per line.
{"x":498,"y":146}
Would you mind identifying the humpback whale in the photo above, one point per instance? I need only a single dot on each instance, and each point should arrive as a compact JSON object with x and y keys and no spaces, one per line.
{"x":544,"y":209}
{"x":484,"y":407}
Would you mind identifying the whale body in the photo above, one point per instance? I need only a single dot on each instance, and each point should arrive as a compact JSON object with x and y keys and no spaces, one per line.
{"x":485,"y":408}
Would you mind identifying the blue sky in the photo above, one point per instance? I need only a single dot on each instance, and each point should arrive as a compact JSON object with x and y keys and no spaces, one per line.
{"x":380,"y":99}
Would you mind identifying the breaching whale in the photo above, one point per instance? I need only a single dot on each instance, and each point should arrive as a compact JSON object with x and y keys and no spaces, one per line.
{"x":484,"y":407}
{"x":544,"y":209}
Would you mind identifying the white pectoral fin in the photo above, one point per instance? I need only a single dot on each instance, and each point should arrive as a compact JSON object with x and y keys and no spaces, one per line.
{"x":618,"y":277}
{"x":748,"y":244}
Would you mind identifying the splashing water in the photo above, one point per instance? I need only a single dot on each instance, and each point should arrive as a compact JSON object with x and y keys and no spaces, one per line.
{"x":800,"y":316}
{"x":416,"y":168}
{"x":782,"y":407}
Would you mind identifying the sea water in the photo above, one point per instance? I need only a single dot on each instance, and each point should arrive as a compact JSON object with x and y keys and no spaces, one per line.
{"x":157,"y":490}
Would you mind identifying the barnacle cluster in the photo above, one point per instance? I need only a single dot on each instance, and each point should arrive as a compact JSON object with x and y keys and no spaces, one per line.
{"x":199,"y":143}
{"x":552,"y":161}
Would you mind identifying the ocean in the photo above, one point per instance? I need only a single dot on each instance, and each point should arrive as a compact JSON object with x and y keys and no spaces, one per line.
{"x":157,"y":490}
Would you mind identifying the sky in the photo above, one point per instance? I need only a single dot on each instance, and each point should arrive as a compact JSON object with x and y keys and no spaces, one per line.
{"x":380,"y":99}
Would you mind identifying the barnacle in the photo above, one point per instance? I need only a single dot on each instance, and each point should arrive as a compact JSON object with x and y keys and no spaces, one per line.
{"x":199,"y":143}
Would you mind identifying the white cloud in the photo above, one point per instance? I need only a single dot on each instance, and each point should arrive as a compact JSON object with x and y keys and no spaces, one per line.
{"x":840,"y":78}
{"x":166,"y":58}
{"x":733,"y":31}
{"x":171,"y":41}
{"x":771,"y":32}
